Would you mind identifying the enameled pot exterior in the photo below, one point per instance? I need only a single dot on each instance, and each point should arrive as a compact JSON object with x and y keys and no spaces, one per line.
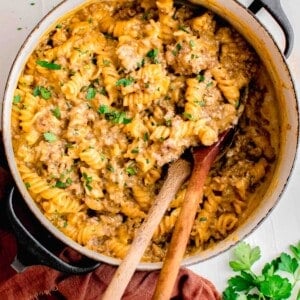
{"x":250,"y":27}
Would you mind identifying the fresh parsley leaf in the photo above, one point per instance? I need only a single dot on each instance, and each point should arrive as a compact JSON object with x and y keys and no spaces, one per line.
{"x":240,"y":283}
{"x":187,"y":116}
{"x":177,"y":49}
{"x":146,"y":137}
{"x":288,"y":264}
{"x":183,"y":28}
{"x":296,"y":250}
{"x":141,"y":63}
{"x":117,"y":117}
{"x":210,"y":84}
{"x":48,"y":65}
{"x":56,"y":112}
{"x":245,"y":257}
{"x":131,"y":170}
{"x":269,"y":269}
{"x":200,"y":77}
{"x":103,"y":109}
{"x":45,"y":93}
{"x":135,"y":150}
{"x":88,"y":180}
{"x":192,"y":43}
{"x":50,"y":137}
{"x":16,"y":99}
{"x":42,"y":91}
{"x":230,"y":294}
{"x":276,"y":287}
{"x":270,"y":284}
{"x":110,"y":168}
{"x":91,"y":93}
{"x":125,"y":81}
{"x":152,"y":54}
{"x":36,"y":91}
{"x":106,"y":62}
{"x":62,"y":185}
{"x":168,"y":122}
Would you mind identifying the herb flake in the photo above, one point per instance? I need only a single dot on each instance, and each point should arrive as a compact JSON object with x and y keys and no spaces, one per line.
{"x":48,"y":65}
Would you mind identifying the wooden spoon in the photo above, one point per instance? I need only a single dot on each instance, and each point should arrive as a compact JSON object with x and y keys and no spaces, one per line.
{"x":203,"y":160}
{"x":177,"y":174}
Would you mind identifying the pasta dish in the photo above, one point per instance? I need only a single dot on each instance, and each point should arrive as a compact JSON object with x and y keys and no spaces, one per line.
{"x":114,"y":92}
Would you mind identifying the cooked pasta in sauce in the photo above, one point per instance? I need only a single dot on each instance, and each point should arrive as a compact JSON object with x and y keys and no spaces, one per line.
{"x":119,"y":89}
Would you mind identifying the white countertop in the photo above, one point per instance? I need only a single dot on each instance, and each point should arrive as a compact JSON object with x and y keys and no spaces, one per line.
{"x":282,"y":227}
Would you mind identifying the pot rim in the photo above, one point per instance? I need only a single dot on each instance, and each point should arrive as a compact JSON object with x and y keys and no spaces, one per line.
{"x":23,"y":53}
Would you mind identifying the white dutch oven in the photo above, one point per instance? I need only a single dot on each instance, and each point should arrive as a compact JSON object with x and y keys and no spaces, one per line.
{"x":257,"y":35}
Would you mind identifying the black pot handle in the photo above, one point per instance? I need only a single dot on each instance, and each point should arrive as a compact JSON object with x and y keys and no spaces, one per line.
{"x":31,"y":251}
{"x":276,"y":11}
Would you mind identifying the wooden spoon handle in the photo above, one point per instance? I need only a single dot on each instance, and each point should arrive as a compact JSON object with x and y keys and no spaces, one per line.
{"x":203,"y":161}
{"x":177,"y":174}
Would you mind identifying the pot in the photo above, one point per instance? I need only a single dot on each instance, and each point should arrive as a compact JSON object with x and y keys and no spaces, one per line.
{"x":258,"y":36}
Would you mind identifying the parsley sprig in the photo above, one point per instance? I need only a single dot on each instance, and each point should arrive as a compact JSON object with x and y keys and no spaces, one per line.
{"x":277,"y":280}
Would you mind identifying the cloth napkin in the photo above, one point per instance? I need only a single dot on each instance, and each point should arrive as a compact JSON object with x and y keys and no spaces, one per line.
{"x":41,"y":282}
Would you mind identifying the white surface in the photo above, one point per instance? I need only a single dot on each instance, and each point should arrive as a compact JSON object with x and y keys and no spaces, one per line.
{"x":282,"y":227}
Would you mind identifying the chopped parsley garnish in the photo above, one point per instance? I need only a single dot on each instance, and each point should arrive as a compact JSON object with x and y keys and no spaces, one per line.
{"x":152,"y":54}
{"x":146,"y":16}
{"x":50,"y":137}
{"x":187,"y":116}
{"x":183,"y":28}
{"x":103,"y":109}
{"x":192,"y":43}
{"x":110,"y":168}
{"x":42,"y":91}
{"x":141,"y":64}
{"x":16,"y":99}
{"x":202,"y":219}
{"x":201,"y":103}
{"x":58,"y":26}
{"x":106,"y":62}
{"x":117,"y":117}
{"x":48,"y":65}
{"x":131,"y":170}
{"x":146,"y":137}
{"x":125,"y":81}
{"x":82,"y":52}
{"x":200,"y":77}
{"x":135,"y":150}
{"x":178,"y":47}
{"x":210,"y":84}
{"x":91,"y":93}
{"x":88,"y":180}
{"x":56,"y":112}
{"x":168,"y":122}
{"x":62,"y":185}
{"x":103,"y":91}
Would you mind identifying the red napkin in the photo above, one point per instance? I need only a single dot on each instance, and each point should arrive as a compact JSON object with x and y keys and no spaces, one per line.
{"x":41,"y":282}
